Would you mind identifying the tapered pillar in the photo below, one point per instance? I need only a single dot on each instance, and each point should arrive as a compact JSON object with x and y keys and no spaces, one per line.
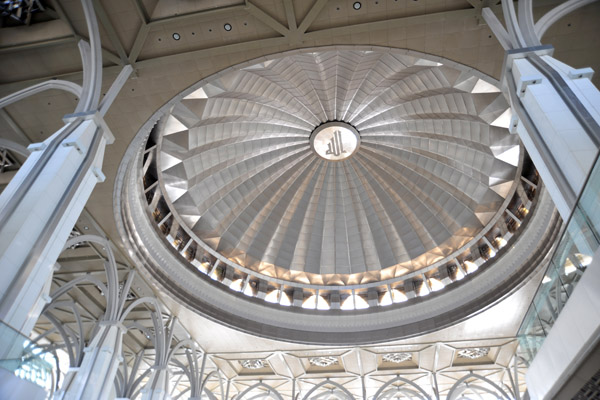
{"x":157,"y":387}
{"x":557,"y":114}
{"x":556,"y":108}
{"x":38,"y":210}
{"x":94,"y":380}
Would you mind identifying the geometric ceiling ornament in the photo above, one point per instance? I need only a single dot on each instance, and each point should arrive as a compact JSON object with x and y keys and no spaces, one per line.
{"x":324,"y":361}
{"x":253,"y":364}
{"x":473,"y":353}
{"x":397,"y":358}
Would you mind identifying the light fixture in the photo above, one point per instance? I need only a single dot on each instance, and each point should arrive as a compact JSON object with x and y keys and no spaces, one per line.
{"x":214,"y":274}
{"x":458,"y":272}
{"x":398,"y":296}
{"x":324,"y":361}
{"x":473,"y":352}
{"x":386,"y":299}
{"x":228,"y":27}
{"x":436,"y":284}
{"x":310,"y":302}
{"x":470,"y":266}
{"x":354,"y":301}
{"x":253,"y":364}
{"x":357,"y":5}
{"x":248,"y":290}
{"x":272,"y":296}
{"x":347,"y":304}
{"x":236,"y":285}
{"x":322,"y":303}
{"x":500,"y":242}
{"x":285,"y":300}
{"x":315,"y":301}
{"x":397,"y":358}
{"x":176,"y":36}
{"x":360,"y":303}
{"x":204,"y":266}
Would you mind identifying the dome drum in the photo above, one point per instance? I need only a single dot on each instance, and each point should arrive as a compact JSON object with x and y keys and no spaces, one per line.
{"x":322,"y":183}
{"x":476,"y":256}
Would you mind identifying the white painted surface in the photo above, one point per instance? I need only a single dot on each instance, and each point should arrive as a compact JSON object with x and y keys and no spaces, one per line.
{"x":566,"y":139}
{"x":20,"y":238}
{"x":94,"y":379}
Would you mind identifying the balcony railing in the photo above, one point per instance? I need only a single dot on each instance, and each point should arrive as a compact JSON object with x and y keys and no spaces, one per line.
{"x":573,"y":254}
{"x":25,"y":359}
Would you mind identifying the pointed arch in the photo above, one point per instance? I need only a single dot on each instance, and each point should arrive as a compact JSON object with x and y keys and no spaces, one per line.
{"x":461,"y":385}
{"x":421,"y":391}
{"x":405,"y":392}
{"x":216,"y":373}
{"x":272,"y":391}
{"x":340,"y":387}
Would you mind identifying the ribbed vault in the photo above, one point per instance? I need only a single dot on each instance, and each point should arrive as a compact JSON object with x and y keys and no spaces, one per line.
{"x":433,"y":168}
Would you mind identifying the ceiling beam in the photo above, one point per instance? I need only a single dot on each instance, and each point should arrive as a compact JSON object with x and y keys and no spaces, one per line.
{"x":110,"y":31}
{"x":312,"y":15}
{"x":290,"y":15}
{"x":248,"y":45}
{"x":138,"y":43}
{"x":266,"y":19}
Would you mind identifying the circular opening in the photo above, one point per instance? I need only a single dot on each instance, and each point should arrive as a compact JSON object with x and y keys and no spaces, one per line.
{"x":357,"y":5}
{"x":227,"y":27}
{"x":176,"y":36}
{"x":335,"y":141}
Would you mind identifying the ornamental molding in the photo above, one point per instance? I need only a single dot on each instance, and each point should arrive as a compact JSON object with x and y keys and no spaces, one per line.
{"x":325,"y":361}
{"x":473,"y":352}
{"x":253,"y":364}
{"x":397,"y":358}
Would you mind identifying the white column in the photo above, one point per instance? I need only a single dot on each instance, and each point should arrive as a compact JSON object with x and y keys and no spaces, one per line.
{"x":562,"y":140}
{"x":157,"y":387}
{"x":37,"y":221}
{"x":94,"y":380}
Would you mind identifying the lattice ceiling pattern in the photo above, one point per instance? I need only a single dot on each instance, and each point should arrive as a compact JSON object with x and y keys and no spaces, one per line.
{"x":433,"y":167}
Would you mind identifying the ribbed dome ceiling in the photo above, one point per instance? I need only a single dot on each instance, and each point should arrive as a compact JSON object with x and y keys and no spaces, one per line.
{"x":431,"y":171}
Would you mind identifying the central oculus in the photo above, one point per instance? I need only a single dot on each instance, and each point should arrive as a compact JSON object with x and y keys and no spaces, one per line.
{"x":335,"y":141}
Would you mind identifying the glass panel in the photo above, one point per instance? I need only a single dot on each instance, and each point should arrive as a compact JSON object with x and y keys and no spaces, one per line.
{"x":24,"y":359}
{"x":569,"y":262}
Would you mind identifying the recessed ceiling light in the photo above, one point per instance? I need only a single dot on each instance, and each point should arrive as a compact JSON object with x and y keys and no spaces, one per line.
{"x":357,"y":5}
{"x":176,"y":36}
{"x":227,"y":27}
{"x":86,"y":228}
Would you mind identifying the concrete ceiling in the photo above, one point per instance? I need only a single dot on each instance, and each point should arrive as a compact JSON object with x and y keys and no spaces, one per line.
{"x":140,"y":32}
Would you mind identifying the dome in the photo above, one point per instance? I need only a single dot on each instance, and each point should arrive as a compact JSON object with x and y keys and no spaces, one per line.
{"x":328,"y":179}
